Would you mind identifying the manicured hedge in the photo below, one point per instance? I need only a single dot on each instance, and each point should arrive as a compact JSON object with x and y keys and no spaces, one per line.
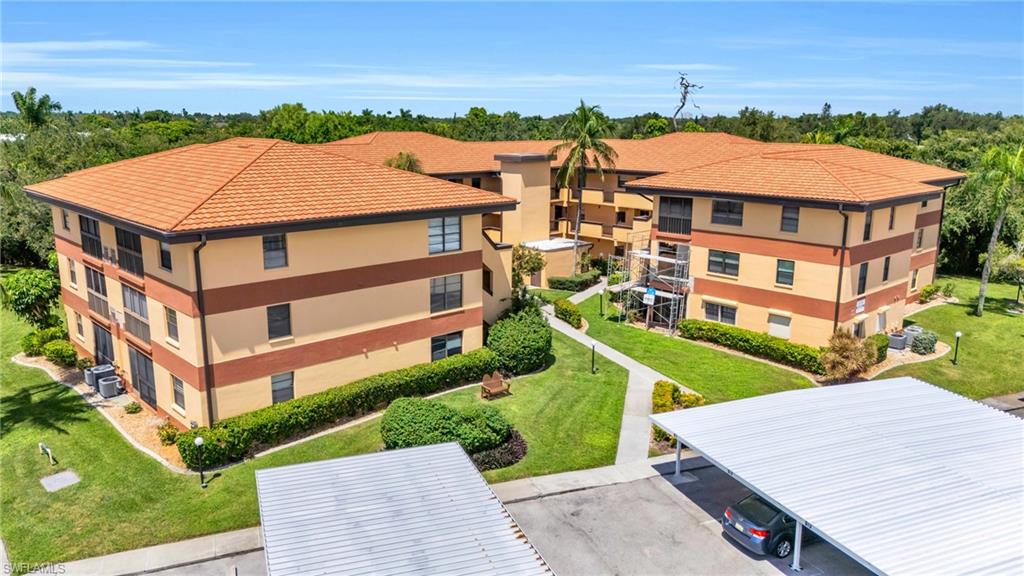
{"x":924,"y":343}
{"x":881,"y":343}
{"x":412,"y":422}
{"x":667,"y":397}
{"x":928,"y":292}
{"x":576,"y":282}
{"x":755,"y":343}
{"x":33,"y":342}
{"x":522,"y":341}
{"x":235,"y":438}
{"x":60,"y":352}
{"x":568,"y":311}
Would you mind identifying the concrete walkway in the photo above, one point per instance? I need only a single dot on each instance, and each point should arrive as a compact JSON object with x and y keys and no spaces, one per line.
{"x":634,"y":436}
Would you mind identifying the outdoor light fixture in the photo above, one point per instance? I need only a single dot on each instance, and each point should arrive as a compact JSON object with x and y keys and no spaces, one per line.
{"x":202,"y":475}
{"x":601,"y":292}
{"x":593,"y":356}
{"x":956,"y":349}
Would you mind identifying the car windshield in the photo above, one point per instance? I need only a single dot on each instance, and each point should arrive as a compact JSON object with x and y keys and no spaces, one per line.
{"x":753,"y":508}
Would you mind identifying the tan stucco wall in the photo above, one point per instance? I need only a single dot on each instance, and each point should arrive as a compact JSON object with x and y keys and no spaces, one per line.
{"x":530,"y":184}
{"x":810,"y":279}
{"x":236,"y":261}
{"x":252,"y":394}
{"x":500,"y":263}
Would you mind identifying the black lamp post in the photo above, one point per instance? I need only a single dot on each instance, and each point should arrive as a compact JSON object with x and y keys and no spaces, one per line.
{"x":601,"y":293}
{"x":593,"y":356}
{"x":202,"y":475}
{"x":956,"y":348}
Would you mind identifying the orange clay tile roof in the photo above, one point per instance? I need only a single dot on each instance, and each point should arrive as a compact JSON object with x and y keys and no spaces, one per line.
{"x":691,"y":161}
{"x":254,"y":182}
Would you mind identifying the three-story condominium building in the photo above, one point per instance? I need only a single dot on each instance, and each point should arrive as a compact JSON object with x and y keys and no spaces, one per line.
{"x":791,"y":239}
{"x":220,"y":278}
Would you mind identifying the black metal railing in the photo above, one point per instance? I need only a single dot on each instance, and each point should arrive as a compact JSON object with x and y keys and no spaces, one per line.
{"x":674,"y":225}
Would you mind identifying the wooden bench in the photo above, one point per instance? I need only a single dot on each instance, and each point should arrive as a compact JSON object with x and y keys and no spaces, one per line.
{"x":494,"y":385}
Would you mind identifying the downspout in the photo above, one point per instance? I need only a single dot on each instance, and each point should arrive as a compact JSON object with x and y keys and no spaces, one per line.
{"x":200,"y":303}
{"x":938,"y":238}
{"x":842,"y":264}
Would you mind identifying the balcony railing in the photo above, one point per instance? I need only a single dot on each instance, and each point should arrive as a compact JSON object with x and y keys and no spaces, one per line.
{"x":673,"y":225}
{"x":136,"y":326}
{"x":98,"y":304}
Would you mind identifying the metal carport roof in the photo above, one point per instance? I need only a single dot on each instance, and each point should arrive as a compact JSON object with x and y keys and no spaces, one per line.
{"x":905,"y":477}
{"x":419,"y":510}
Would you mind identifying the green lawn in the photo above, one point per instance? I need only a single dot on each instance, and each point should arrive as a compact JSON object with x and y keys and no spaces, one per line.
{"x":549,"y":295}
{"x":717,"y":375}
{"x":125,"y":500}
{"x":990,"y":348}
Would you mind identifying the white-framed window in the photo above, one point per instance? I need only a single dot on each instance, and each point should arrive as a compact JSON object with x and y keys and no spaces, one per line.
{"x":790,"y":219}
{"x":858,"y":329}
{"x":444,"y":234}
{"x":179,"y":391}
{"x":445,"y":345}
{"x":724,"y":262}
{"x":727,"y":212}
{"x":445,"y":293}
{"x":65,"y":219}
{"x":919,"y":242}
{"x":881,"y":323}
{"x":913,"y":280}
{"x":72,"y":273}
{"x":778,"y":325}
{"x":79,"y":325}
{"x":868,"y":217}
{"x":172,"y":322}
{"x":282,"y":387}
{"x":885,"y":268}
{"x":165,"y":257}
{"x":279,"y":321}
{"x":784,"y":272}
{"x":719,"y":313}
{"x":275,"y":251}
{"x":862,"y":278}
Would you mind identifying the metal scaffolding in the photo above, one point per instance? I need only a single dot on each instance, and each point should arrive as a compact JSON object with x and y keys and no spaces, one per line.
{"x":651,"y":288}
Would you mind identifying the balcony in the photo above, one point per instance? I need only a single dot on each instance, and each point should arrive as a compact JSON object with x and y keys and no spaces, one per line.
{"x":136,"y":326}
{"x":591,"y":230}
{"x":98,"y":304}
{"x":672,"y":225}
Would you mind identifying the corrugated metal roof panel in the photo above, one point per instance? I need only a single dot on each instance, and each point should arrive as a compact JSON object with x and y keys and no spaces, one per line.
{"x":905,"y":477}
{"x":419,"y":510}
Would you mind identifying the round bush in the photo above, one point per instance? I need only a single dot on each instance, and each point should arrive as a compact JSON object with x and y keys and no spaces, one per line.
{"x":33,"y":342}
{"x":567,"y":311}
{"x":417,"y":422}
{"x":61,"y":353}
{"x":522,"y":342}
{"x":924,"y":343}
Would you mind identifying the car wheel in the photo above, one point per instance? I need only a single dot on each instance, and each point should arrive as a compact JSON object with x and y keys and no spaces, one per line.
{"x":783,"y":547}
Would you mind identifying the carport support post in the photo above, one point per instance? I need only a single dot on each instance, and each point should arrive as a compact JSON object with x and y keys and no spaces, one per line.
{"x":679,"y":457}
{"x":797,"y":541}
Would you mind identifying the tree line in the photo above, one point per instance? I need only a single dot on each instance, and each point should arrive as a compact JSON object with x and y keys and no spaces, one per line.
{"x":40,"y":141}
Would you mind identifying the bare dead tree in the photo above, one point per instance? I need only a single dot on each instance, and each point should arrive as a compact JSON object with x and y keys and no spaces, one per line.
{"x":684,"y":95}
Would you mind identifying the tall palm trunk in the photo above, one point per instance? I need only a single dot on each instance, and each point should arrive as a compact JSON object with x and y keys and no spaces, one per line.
{"x":987,"y":268}
{"x":581,"y":181}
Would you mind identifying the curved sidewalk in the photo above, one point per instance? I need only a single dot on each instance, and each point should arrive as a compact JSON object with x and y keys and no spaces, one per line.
{"x":635,"y":434}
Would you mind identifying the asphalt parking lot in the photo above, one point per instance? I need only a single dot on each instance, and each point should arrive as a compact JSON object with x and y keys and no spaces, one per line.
{"x":652,"y":527}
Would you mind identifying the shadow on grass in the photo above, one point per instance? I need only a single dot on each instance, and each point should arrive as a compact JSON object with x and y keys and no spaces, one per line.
{"x":51,"y":406}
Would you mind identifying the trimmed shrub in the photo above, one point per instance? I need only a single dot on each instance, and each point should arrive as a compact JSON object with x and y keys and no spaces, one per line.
{"x":417,"y":422}
{"x":881,"y":344}
{"x":522,"y":342}
{"x":33,"y":342}
{"x":668,"y":397}
{"x":511,"y":451}
{"x":754,"y":343}
{"x":568,"y":311}
{"x":61,"y":353}
{"x":84,"y":363}
{"x":132,"y":408}
{"x":576,"y":282}
{"x":167,"y":433}
{"x":235,"y":438}
{"x":924,"y":343}
{"x":947,"y":289}
{"x":928,"y":292}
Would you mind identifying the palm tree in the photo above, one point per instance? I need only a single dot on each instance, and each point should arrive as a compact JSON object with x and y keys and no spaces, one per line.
{"x":581,"y":136}
{"x":34,"y":112}
{"x":405,"y":161}
{"x":1003,"y":170}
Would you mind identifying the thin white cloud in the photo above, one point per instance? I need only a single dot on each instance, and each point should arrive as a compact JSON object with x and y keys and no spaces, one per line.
{"x":881,"y":45}
{"x":29,"y":59}
{"x":686,"y":67}
{"x":77,"y":46}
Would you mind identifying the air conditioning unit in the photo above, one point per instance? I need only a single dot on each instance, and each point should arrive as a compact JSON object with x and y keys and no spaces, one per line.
{"x":110,"y":386}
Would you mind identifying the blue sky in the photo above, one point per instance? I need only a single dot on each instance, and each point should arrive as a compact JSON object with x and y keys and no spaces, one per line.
{"x":440,"y":59}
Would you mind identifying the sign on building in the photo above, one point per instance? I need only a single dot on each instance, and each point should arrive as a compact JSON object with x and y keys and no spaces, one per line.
{"x":649,"y":296}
